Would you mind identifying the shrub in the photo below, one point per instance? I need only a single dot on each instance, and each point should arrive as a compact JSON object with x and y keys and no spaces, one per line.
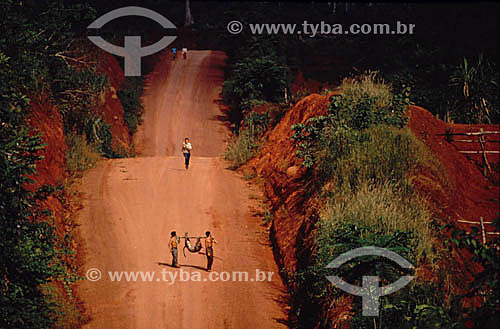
{"x":76,"y":91}
{"x":365,"y":101}
{"x":80,"y":155}
{"x":379,"y":154}
{"x":383,"y":209}
{"x":98,"y":133}
{"x":374,"y":215}
{"x":246,"y":144}
{"x":130,"y":98}
{"x":242,"y":148}
{"x":254,"y":79}
{"x":361,"y":157}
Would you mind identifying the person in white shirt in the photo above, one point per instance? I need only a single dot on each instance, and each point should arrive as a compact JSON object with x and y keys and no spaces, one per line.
{"x":186,"y":151}
{"x":184,"y":52}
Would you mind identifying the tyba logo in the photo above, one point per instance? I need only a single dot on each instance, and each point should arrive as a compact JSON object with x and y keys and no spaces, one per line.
{"x":132,"y":52}
{"x":370,"y":291}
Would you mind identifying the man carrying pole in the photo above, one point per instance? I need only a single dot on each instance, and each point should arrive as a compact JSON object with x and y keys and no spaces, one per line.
{"x":209,"y":249}
{"x":173,"y":243}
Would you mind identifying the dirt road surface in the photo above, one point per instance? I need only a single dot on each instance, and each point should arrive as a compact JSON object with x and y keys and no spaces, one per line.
{"x":131,"y":205}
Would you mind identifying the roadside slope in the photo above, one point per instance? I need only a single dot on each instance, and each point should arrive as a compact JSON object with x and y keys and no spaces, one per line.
{"x":133,"y":204}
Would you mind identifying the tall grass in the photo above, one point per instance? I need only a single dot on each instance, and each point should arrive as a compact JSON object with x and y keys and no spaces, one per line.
{"x":385,"y":209}
{"x":80,"y":155}
{"x":242,"y":148}
{"x":379,"y":154}
{"x":246,"y":144}
{"x":379,"y":92}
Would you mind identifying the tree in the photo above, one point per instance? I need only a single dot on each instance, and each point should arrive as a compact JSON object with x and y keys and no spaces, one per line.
{"x":188,"y":21}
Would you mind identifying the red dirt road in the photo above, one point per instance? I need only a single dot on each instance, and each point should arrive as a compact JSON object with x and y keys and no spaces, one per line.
{"x":131,"y":205}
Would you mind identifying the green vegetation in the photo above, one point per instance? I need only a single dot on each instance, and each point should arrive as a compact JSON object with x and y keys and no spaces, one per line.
{"x":362,"y":158}
{"x":33,"y":253}
{"x":246,"y":144}
{"x":130,"y":97}
{"x":253,"y":80}
{"x":477,"y":91}
{"x":485,"y":283}
{"x":450,"y":64}
{"x":242,"y":148}
{"x":80,"y":155}
{"x":364,"y":102}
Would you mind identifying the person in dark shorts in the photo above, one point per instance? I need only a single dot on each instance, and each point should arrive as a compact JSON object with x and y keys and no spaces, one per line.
{"x":209,"y":249}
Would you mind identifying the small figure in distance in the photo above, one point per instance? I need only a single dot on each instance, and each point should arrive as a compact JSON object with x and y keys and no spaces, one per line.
{"x":174,"y":53}
{"x":184,"y":53}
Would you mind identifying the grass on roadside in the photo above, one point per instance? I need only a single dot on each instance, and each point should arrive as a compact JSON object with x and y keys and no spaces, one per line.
{"x":242,"y":148}
{"x":80,"y":154}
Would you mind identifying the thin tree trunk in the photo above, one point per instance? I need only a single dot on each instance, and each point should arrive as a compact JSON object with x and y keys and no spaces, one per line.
{"x":189,"y":18}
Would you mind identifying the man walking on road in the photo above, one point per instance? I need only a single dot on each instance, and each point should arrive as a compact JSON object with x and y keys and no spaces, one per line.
{"x":173,"y":243}
{"x":209,"y":249}
{"x":186,"y":151}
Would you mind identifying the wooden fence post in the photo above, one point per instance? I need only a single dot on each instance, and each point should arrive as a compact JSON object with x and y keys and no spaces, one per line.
{"x":482,"y":230}
{"x":483,"y":148}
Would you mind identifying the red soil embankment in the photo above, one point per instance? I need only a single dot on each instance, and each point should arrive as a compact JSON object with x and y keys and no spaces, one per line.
{"x":468,"y":194}
{"x":109,"y":106}
{"x":46,"y":119}
{"x":284,"y":179}
{"x":471,"y":194}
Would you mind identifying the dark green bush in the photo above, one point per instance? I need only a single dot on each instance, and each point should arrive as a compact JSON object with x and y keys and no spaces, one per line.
{"x":130,"y":97}
{"x":35,"y":36}
{"x":364,"y":102}
{"x":254,"y":80}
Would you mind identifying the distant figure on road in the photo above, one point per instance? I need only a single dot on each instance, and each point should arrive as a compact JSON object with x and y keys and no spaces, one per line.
{"x":173,"y":243}
{"x":184,"y":53}
{"x":174,"y":53}
{"x":186,"y":150}
{"x":209,"y":249}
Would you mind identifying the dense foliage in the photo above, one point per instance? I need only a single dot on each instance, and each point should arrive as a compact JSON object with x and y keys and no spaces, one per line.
{"x":130,"y":98}
{"x":450,"y":64}
{"x":33,"y":39}
{"x":256,"y":75}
